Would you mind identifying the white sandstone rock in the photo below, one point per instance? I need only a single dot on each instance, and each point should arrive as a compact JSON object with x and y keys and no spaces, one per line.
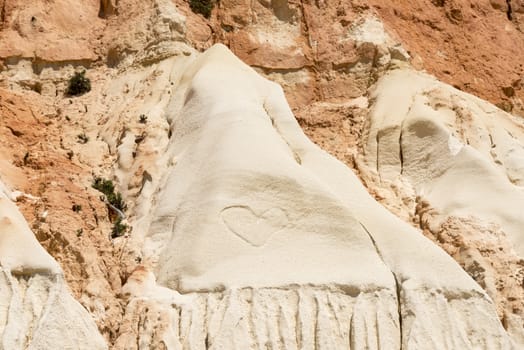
{"x":37,"y":310}
{"x":464,"y":160}
{"x":461,"y":153}
{"x":274,"y":243}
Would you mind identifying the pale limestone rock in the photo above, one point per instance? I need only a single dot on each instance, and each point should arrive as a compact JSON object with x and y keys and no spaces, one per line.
{"x":463,"y":159}
{"x":272,"y":242}
{"x":449,"y":142}
{"x":37,"y":310}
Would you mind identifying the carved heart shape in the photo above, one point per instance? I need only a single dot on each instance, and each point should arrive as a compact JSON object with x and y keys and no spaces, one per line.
{"x":252,"y":227}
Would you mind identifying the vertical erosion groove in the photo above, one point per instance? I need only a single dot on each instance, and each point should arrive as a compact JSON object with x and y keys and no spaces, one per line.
{"x":397,"y":285}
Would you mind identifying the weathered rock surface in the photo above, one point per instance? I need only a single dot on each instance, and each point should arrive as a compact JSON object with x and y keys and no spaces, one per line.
{"x":48,"y":32}
{"x":50,"y":170}
{"x":463,"y":159}
{"x":243,"y":234}
{"x":473,"y":45}
{"x":276,"y":241}
{"x":318,"y":51}
{"x":37,"y":310}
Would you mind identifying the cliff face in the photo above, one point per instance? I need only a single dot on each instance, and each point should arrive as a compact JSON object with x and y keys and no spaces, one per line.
{"x":37,"y":310}
{"x":237,"y":231}
{"x":271,"y":231}
{"x":472,"y":45}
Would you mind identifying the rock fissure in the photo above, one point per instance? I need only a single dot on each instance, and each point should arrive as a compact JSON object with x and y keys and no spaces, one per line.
{"x":398,"y":288}
{"x":296,"y":155}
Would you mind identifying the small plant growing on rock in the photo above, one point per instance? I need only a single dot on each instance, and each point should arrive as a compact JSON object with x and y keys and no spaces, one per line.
{"x":79,"y":84}
{"x":143,"y":119}
{"x":203,"y":7}
{"x":108,"y":189}
{"x":115,"y":202}
{"x":119,"y":228}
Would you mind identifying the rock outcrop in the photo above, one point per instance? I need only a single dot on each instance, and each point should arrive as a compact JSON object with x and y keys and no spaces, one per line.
{"x":37,"y":310}
{"x":472,"y":45}
{"x":241,"y":233}
{"x":49,"y":32}
{"x":276,"y":243}
{"x":462,"y":160}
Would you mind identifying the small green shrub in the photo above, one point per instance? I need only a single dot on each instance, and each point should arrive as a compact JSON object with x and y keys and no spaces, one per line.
{"x":119,"y":228}
{"x":79,"y":84}
{"x":108,"y":189}
{"x":103,"y":185}
{"x":203,"y":7}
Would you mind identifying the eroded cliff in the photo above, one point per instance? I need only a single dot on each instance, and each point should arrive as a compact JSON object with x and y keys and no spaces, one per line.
{"x":242,"y":233}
